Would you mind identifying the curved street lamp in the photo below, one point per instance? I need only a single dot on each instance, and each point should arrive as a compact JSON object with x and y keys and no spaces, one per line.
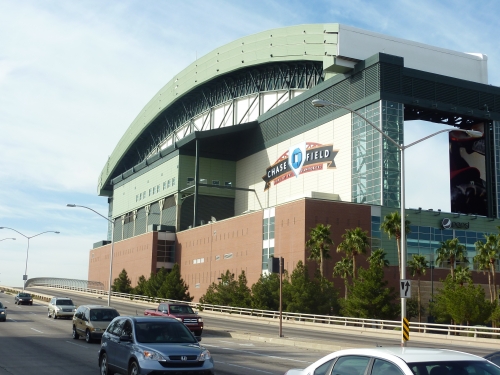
{"x":25,"y":276}
{"x":112,"y":221}
{"x":471,"y":133}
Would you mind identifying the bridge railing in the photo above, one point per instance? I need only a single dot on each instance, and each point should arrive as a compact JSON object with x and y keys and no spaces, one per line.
{"x":393,"y":325}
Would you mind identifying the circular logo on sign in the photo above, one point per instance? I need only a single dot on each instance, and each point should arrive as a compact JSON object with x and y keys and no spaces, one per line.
{"x":296,"y":158}
{"x":446,"y":223}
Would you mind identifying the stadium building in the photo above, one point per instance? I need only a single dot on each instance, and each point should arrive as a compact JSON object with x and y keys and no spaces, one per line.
{"x":230,"y":163}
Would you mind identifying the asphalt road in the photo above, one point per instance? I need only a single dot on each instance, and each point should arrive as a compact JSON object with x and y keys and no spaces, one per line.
{"x":33,"y":344}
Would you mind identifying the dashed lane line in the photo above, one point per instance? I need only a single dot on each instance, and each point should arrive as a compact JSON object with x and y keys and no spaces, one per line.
{"x":258,"y":354}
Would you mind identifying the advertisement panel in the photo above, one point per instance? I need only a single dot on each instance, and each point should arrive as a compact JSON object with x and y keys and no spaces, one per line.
{"x":468,"y":178}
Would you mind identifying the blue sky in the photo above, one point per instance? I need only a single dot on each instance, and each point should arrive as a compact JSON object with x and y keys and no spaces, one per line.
{"x":74,"y":74}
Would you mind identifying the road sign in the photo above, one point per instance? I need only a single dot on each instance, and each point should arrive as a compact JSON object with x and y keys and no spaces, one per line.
{"x":405,"y":288}
{"x":406,"y":329}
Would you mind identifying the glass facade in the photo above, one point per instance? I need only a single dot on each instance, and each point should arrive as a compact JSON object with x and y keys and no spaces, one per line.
{"x":376,"y":160}
{"x":496,"y":135}
{"x":267,"y":236}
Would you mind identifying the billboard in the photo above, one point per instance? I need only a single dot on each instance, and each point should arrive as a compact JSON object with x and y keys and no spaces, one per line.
{"x":468,"y":188}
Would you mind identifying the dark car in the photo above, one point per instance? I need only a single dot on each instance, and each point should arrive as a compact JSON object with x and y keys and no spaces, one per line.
{"x":152,"y":345}
{"x":23,"y":299}
{"x":3,"y":312}
{"x":493,"y":357}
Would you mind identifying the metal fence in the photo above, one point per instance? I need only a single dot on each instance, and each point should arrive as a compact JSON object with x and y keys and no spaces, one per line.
{"x":387,"y":325}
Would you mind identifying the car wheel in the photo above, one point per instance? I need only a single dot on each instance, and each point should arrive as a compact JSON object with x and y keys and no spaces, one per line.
{"x":54,"y":315}
{"x":88,"y":338}
{"x":133,"y":369}
{"x":197,"y":333}
{"x":75,"y":334}
{"x":103,"y":364}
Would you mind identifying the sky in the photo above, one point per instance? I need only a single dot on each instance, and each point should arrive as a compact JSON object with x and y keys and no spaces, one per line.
{"x":75,"y":74}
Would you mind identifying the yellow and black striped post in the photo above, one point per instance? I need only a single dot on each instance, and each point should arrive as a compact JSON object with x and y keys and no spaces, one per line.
{"x":406,"y":329}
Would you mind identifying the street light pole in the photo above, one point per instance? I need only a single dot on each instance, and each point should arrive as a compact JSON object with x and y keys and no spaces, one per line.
{"x":472,"y":133}
{"x":10,"y":238}
{"x":112,"y":221}
{"x":25,"y":276}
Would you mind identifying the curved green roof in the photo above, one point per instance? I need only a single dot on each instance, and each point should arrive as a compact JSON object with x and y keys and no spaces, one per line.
{"x":314,"y":42}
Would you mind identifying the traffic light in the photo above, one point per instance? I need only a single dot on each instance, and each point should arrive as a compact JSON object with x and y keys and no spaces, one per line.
{"x":273,"y":265}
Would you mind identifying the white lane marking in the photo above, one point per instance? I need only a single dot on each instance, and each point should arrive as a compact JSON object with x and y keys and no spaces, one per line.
{"x":246,"y":344}
{"x":81,"y":346}
{"x":258,"y":354}
{"x":36,"y":330}
{"x":12,"y":320}
{"x":246,"y":368}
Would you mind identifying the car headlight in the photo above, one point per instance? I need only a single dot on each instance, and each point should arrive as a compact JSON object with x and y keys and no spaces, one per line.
{"x":56,"y":308}
{"x":154,"y":356}
{"x":179,"y":319}
{"x":2,"y":312}
{"x":205,"y":355}
{"x":31,"y":300}
{"x":200,"y":320}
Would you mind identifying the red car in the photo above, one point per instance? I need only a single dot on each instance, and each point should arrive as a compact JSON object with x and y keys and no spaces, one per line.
{"x":181,"y":312}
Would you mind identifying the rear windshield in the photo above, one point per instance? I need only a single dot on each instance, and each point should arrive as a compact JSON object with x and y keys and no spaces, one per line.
{"x":103,"y":315}
{"x":181,"y":309}
{"x":162,"y":331}
{"x":454,"y":367}
{"x":64,"y":302}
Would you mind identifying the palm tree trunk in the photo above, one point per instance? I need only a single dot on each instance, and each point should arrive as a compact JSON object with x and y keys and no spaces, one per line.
{"x":490,"y":286}
{"x":493,"y":271}
{"x":345,"y":286}
{"x":353,"y":267}
{"x":321,"y":262}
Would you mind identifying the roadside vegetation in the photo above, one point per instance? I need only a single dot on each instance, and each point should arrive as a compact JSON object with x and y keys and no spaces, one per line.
{"x":366,"y":293}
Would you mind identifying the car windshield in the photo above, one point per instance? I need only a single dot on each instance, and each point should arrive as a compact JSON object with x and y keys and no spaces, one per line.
{"x":181,"y":309}
{"x":65,"y":302}
{"x":454,"y":368}
{"x":24,"y":295}
{"x":103,"y":315}
{"x":171,"y":332}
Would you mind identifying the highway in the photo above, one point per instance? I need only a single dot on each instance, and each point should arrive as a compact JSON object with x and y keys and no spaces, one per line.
{"x":31,"y":343}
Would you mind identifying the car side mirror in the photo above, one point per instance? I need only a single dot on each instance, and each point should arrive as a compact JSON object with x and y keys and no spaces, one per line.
{"x":126,"y":338}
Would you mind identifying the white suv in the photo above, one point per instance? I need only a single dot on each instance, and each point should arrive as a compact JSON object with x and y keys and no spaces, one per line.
{"x":61,"y":307}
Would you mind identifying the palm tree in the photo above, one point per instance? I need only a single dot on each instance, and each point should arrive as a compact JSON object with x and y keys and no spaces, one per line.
{"x":355,"y":242}
{"x":462,"y":275}
{"x":392,"y":226}
{"x":343,"y":268}
{"x":482,"y":262}
{"x":418,"y":264}
{"x":378,"y":258}
{"x":492,"y":253}
{"x":319,"y":244}
{"x":451,"y":251}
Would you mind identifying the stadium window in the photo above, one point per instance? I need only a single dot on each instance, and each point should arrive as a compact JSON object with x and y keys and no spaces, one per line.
{"x":203,"y":180}
{"x":190,"y":181}
{"x":173,"y":181}
{"x":149,"y":192}
{"x":168,"y":183}
{"x":157,"y":188}
{"x":164,"y":185}
{"x":228,"y":184}
{"x":154,"y":189}
{"x":143,"y":195}
{"x":136,"y":197}
{"x":215,"y":182}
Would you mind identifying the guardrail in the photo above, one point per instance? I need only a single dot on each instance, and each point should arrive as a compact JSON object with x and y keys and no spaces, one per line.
{"x":393,"y":325}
